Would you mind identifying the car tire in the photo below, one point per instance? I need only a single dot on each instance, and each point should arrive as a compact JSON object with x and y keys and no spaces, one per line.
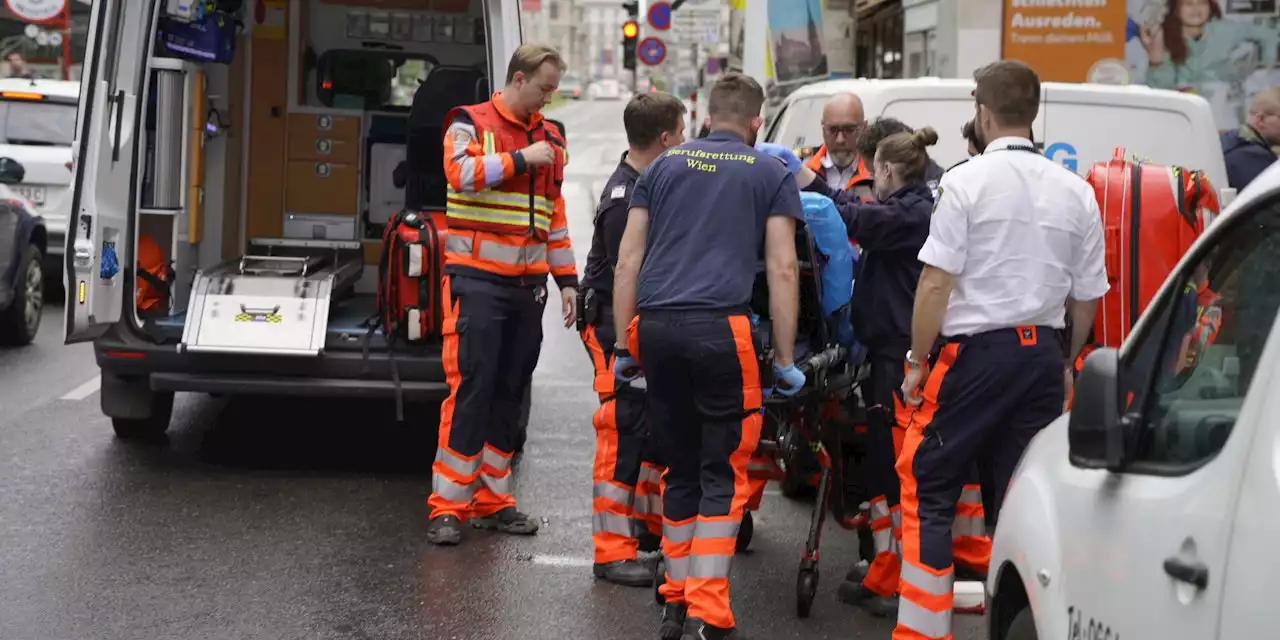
{"x":1023,"y":626}
{"x":150,"y":428}
{"x":21,"y":321}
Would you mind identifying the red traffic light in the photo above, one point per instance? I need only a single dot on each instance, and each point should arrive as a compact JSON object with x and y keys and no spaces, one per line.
{"x":630,"y":29}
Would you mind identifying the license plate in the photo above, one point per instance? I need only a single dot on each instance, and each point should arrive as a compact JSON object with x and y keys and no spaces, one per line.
{"x":34,"y":194}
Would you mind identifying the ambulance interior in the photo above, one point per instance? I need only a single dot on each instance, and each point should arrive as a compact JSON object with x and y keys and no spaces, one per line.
{"x":283,"y":161}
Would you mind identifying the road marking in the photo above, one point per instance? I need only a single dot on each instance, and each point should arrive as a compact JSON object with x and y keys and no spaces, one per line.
{"x":85,"y":390}
{"x":561,"y":561}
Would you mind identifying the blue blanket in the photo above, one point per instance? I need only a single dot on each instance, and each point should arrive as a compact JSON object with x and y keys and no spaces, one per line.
{"x":832,"y":240}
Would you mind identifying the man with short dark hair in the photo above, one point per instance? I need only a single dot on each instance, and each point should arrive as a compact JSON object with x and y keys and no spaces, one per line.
{"x":626,"y":476}
{"x":986,"y":367}
{"x":688,"y":263}
{"x":971,"y":137}
{"x":507,"y":233}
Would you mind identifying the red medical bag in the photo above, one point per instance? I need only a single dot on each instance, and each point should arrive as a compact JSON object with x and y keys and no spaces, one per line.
{"x":1150,"y":216}
{"x":409,"y":275}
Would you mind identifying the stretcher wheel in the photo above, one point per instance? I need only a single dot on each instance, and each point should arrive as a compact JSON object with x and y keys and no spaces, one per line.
{"x":659,"y":577}
{"x":806,"y":588}
{"x":745,"y":531}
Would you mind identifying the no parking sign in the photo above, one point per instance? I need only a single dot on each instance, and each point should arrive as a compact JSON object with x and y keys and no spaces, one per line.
{"x":36,"y":10}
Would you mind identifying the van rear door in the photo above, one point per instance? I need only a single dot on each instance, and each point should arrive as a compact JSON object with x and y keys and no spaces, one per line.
{"x":945,"y":108}
{"x":99,"y":241}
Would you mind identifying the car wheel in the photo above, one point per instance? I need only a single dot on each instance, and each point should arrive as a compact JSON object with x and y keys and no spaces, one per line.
{"x":149,"y":428}
{"x":1023,"y":626}
{"x":21,"y":321}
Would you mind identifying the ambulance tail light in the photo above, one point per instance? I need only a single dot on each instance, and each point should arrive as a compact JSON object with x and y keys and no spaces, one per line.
{"x":21,"y":95}
{"x":124,"y":355}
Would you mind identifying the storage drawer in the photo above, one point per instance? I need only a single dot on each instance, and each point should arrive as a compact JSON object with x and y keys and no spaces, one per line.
{"x":319,"y":226}
{"x":320,"y":148}
{"x":321,"y":187}
{"x":307,"y":126}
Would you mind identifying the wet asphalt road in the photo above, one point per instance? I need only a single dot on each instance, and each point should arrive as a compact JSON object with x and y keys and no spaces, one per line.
{"x":289,"y":520}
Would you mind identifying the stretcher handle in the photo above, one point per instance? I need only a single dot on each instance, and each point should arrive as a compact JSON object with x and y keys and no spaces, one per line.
{"x":302,"y":262}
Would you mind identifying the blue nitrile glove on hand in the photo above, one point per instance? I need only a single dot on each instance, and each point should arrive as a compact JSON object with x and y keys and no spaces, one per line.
{"x":787,"y":380}
{"x":782,"y":153}
{"x":815,"y":204}
{"x":625,"y":367}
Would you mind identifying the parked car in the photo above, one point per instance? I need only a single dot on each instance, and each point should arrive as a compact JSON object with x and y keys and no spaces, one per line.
{"x":570,"y":87}
{"x":23,"y":241}
{"x":606,"y":89}
{"x":37,"y":125}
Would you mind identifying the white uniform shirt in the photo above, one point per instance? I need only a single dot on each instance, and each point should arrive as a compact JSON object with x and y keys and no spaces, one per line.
{"x":1020,"y":234}
{"x":837,"y":177}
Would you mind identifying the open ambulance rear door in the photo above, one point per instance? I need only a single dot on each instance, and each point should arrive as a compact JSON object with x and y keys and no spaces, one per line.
{"x":99,"y":241}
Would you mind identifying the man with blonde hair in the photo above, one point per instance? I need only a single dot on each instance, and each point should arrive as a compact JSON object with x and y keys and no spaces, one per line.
{"x":507,"y":233}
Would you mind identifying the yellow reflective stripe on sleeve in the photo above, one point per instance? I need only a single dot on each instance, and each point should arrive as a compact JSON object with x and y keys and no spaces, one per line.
{"x":488,"y":143}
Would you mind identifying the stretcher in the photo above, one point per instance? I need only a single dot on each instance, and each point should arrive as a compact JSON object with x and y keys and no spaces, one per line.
{"x":274,"y":300}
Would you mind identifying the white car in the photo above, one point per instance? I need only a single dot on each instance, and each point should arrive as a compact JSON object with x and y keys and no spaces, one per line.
{"x":1150,"y":511}
{"x":607,"y":89}
{"x":37,"y":126}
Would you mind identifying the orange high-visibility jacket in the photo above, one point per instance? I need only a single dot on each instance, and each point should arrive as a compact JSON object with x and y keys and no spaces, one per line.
{"x":860,"y":176}
{"x":505,"y":218}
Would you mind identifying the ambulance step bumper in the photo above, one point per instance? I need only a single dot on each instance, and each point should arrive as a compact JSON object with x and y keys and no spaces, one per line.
{"x":296,"y":386}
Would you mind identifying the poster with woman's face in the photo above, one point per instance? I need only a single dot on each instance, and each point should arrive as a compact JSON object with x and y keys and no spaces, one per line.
{"x":1223,"y":50}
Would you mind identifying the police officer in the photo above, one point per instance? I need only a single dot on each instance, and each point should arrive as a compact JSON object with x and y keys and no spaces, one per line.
{"x":688,"y":262}
{"x":626,"y":480}
{"x":507,"y":233}
{"x":1014,"y":239}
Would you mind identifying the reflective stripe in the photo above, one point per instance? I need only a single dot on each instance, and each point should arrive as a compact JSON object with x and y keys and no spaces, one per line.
{"x":968,"y":527}
{"x":678,"y":533}
{"x":460,"y":466}
{"x":641,"y":506}
{"x":928,"y":582}
{"x":560,"y":257}
{"x":971,"y":495}
{"x":897,"y":518}
{"x":611,"y":523}
{"x":413,"y":260}
{"x":488,"y":143}
{"x":884,"y":540}
{"x":492,"y":168}
{"x":879,"y":509}
{"x":710,"y":566}
{"x":612,"y":492}
{"x":517,"y":203}
{"x":718,"y":529}
{"x":413,"y":320}
{"x":677,"y":568}
{"x":650,"y":474}
{"x":489,"y":250}
{"x":930,"y":624}
{"x":495,"y":459}
{"x":450,"y":490}
{"x":655,"y":505}
{"x":558,"y":233}
{"x":498,"y":485}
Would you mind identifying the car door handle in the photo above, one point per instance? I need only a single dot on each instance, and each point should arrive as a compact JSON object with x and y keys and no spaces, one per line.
{"x":1193,"y":573}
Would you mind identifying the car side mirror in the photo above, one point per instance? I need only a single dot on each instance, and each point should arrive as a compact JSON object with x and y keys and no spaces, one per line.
{"x":11,"y":171}
{"x":1095,"y":427}
{"x":560,"y":125}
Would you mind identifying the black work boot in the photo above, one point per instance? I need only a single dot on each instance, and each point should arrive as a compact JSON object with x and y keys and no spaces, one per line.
{"x":509,"y":521}
{"x":873,"y":603}
{"x":649,"y":543}
{"x":673,"y":621}
{"x":445,"y":531}
{"x":695,"y":629}
{"x":628,"y":573}
{"x":858,"y":572}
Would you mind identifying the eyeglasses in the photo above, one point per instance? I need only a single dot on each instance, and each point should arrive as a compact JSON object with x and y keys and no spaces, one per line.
{"x":842,"y":129}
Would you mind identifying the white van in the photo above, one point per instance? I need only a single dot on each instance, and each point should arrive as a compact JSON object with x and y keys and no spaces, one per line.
{"x":1078,"y":125}
{"x":37,"y":126}
{"x":265,"y":181}
{"x":1152,"y":509}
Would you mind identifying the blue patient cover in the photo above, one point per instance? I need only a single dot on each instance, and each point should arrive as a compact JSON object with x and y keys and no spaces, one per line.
{"x":829,"y":234}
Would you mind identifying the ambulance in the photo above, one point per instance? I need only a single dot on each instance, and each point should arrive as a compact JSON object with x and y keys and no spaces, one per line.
{"x":255,"y":144}
{"x":1149,"y":511}
{"x":1078,"y":124}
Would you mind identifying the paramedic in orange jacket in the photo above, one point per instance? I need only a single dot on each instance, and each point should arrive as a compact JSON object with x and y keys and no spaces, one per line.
{"x":507,"y":232}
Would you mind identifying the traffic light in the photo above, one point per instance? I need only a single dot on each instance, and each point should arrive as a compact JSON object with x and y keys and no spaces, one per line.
{"x":630,"y":34}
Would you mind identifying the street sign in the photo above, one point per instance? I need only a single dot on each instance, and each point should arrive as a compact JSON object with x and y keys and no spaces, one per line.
{"x":36,"y":10}
{"x":660,"y":16}
{"x":651,"y":51}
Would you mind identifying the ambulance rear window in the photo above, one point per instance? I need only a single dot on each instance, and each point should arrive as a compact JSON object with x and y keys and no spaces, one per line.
{"x":370,"y":80}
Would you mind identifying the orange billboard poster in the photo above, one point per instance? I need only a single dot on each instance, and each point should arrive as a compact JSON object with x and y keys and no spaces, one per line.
{"x":1067,"y":40}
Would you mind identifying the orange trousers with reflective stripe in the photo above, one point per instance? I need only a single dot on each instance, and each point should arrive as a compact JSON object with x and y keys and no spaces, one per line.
{"x":984,"y":400}
{"x":704,"y":403}
{"x":492,"y":338}
{"x":626,"y":481}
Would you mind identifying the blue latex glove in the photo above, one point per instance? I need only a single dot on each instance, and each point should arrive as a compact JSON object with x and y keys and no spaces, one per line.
{"x":788,"y":380}
{"x":755,"y":319}
{"x":625,"y":367}
{"x":782,"y":153}
{"x":815,"y":205}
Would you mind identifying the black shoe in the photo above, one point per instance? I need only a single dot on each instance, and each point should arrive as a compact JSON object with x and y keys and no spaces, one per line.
{"x":509,"y":521}
{"x":695,"y":629}
{"x":855,"y":594}
{"x":445,"y":531}
{"x":745,"y":531}
{"x":673,"y":621}
{"x":628,"y":573}
{"x":649,"y":543}
{"x":966,"y":574}
{"x":858,"y":572}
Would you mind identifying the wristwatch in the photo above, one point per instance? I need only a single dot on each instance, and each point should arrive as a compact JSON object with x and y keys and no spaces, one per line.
{"x":912,"y":363}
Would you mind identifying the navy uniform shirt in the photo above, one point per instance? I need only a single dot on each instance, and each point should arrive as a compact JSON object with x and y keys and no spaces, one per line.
{"x":610,"y":222}
{"x":708,"y":200}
